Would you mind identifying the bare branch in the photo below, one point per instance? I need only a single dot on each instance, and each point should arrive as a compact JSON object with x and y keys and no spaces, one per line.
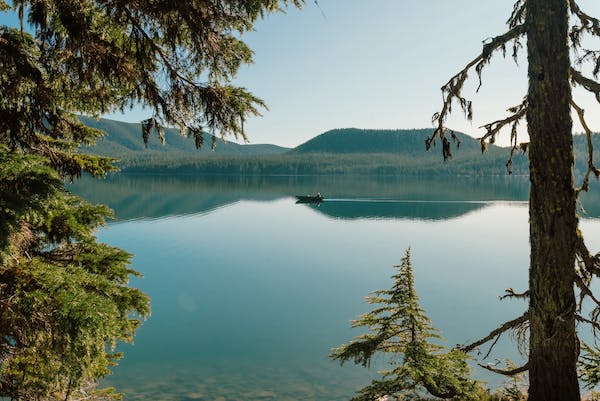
{"x":587,"y":292}
{"x":518,"y":14}
{"x":492,"y":346}
{"x":595,"y":325}
{"x":588,"y":23}
{"x":590,"y":55}
{"x":590,"y":262}
{"x":451,"y":91}
{"x":587,"y":83}
{"x":588,"y":133}
{"x":510,"y":293}
{"x":518,"y":112}
{"x":510,"y":372}
{"x":505,"y":327}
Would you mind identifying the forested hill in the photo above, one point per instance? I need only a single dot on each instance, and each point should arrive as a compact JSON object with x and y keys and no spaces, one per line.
{"x":124,"y":140}
{"x":339,"y":151}
{"x":401,"y":142}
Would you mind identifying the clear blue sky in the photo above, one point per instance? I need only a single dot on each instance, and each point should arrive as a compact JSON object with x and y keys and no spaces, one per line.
{"x":378,"y":64}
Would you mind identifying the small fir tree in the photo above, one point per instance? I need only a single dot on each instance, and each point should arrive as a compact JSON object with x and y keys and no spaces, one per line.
{"x":399,"y":328}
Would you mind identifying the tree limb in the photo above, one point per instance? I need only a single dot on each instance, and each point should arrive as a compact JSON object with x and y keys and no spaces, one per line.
{"x":518,"y":112}
{"x":492,"y":346}
{"x":588,"y":133}
{"x":510,"y":372}
{"x":593,"y":55}
{"x":505,"y":327}
{"x":452,"y":89}
{"x":510,"y":293}
{"x":590,"y":262}
{"x":588,"y":24}
{"x":518,"y":14}
{"x":595,"y":325}
{"x":585,"y":291}
{"x":587,"y":83}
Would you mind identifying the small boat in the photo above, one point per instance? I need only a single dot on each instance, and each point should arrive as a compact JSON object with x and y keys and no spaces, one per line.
{"x":309,"y":198}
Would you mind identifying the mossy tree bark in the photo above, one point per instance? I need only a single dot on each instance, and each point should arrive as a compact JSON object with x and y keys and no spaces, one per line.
{"x":553,"y":219}
{"x":556,"y":244}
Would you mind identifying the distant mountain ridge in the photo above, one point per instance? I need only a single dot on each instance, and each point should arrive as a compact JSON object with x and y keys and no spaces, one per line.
{"x":338,"y":151}
{"x":406,"y":142}
{"x":124,"y":140}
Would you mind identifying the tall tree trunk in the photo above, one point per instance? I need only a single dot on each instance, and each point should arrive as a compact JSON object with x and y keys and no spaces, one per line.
{"x":553,"y":220}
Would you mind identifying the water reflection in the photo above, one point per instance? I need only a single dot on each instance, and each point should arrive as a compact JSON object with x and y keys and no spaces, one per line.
{"x":250,"y":291}
{"x":348,"y":197}
{"x":249,"y":299}
{"x":395,"y":209}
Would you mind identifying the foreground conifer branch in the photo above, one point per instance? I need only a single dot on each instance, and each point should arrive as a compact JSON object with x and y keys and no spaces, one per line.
{"x":64,"y":298}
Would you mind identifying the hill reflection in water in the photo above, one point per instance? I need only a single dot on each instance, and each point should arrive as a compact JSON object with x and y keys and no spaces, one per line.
{"x":395,"y":209}
{"x":348,"y":197}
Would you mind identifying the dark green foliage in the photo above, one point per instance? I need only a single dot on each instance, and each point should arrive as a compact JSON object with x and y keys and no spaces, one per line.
{"x":589,"y":365}
{"x":399,"y":328}
{"x":319,"y":164}
{"x":64,"y":299}
{"x":26,"y":184}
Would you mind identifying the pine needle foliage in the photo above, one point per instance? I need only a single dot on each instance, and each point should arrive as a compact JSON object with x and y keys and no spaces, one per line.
{"x":65,"y":302}
{"x":589,"y":365}
{"x":399,"y":329}
{"x":64,"y":299}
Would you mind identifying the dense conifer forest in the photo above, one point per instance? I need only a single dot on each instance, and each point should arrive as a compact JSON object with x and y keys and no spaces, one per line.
{"x":338,"y":151}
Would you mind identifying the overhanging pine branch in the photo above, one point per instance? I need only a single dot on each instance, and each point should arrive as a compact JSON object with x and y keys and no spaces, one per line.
{"x":493,"y":128}
{"x":588,"y":23}
{"x":510,"y":293}
{"x":518,"y":14}
{"x":518,"y":112}
{"x":451,"y":91}
{"x":591,"y":263}
{"x":585,"y":291}
{"x":590,"y":55}
{"x":512,"y":324}
{"x":510,"y":372}
{"x":586,"y":83}
{"x":595,"y":325}
{"x":588,"y":133}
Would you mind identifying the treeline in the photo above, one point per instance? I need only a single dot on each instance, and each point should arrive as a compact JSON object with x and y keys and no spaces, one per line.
{"x":335,"y":152}
{"x":399,"y":141}
{"x":492,"y":162}
{"x":322,"y":164}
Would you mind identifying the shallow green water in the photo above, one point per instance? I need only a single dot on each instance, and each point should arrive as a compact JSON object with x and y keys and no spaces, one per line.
{"x":250,"y":291}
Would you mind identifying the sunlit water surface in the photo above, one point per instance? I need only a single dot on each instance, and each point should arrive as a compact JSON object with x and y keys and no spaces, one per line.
{"x":250,"y":291}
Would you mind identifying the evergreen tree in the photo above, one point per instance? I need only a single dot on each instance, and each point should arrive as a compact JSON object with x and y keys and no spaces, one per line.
{"x":399,"y":328}
{"x":556,"y":243}
{"x":64,"y":299}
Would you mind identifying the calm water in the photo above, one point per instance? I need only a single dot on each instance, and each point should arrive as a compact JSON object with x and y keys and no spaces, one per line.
{"x":250,"y":291}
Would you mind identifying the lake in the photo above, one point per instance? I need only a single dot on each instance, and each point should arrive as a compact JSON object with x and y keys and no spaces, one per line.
{"x":250,"y":290}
